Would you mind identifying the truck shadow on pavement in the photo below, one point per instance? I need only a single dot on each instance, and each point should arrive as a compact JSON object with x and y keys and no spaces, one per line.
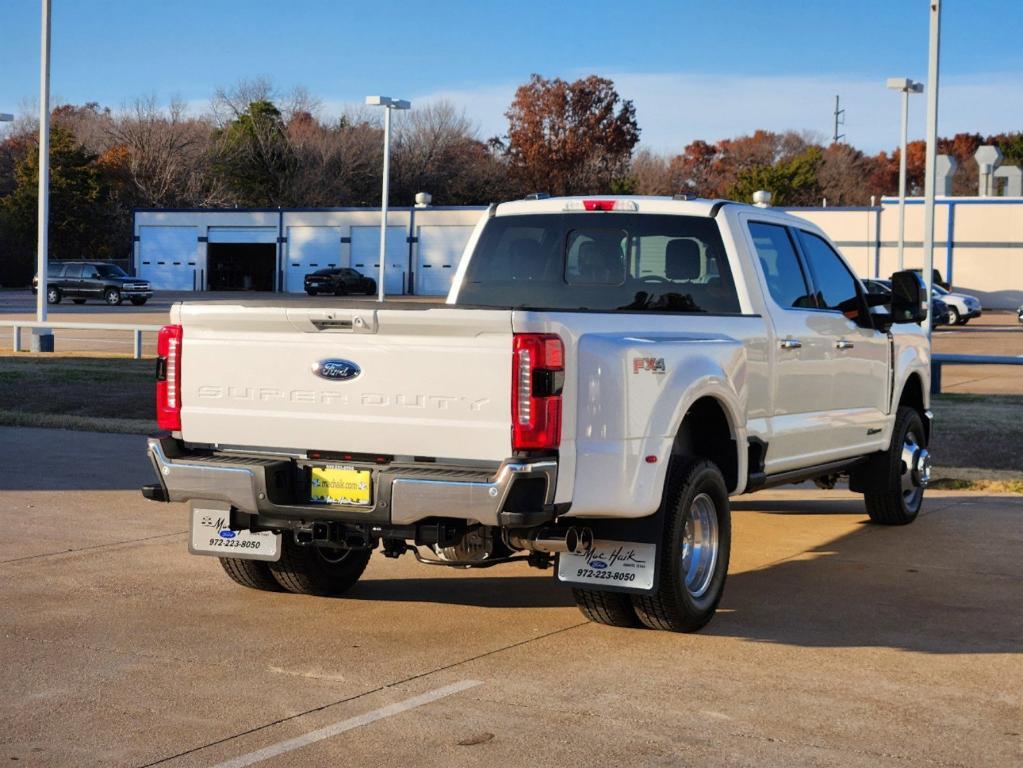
{"x":480,"y":591}
{"x":927,"y":587}
{"x":949,"y":583}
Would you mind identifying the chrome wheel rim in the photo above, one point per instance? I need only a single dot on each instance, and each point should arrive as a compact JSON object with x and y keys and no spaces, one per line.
{"x":52,"y":295}
{"x":916,"y":470}
{"x":700,"y":543}
{"x":113,"y":297}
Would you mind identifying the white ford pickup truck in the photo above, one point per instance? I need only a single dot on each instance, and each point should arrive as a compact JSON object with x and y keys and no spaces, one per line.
{"x":603,"y":376}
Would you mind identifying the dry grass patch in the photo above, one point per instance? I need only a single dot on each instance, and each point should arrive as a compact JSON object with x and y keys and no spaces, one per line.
{"x":978,"y":431}
{"x":74,"y":392}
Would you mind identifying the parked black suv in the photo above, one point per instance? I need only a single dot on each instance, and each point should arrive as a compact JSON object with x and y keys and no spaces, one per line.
{"x":82,"y":280}
{"x":339,"y":281}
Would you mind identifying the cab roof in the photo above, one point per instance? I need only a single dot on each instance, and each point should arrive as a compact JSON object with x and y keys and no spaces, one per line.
{"x":632,"y":204}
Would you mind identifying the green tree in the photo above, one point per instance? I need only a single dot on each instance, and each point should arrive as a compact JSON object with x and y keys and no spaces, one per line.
{"x":254,"y":157}
{"x":79,"y":211}
{"x":790,"y":182}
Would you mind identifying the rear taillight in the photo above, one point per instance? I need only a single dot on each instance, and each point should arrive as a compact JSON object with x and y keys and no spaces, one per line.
{"x":538,"y":372}
{"x":168,"y":378}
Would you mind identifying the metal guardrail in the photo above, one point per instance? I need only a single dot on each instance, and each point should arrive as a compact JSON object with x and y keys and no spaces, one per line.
{"x":135,"y":330}
{"x":937,"y":361}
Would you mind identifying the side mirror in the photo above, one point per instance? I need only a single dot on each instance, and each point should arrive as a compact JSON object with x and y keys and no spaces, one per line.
{"x":909,"y":297}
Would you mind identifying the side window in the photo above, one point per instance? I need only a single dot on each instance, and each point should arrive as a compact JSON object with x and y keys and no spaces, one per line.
{"x":836,"y":287}
{"x":782,"y":270}
{"x":72,"y":270}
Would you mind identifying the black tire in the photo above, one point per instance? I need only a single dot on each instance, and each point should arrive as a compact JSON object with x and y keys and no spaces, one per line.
{"x":310,"y":292}
{"x":53,"y":296}
{"x":313,"y":570}
{"x":953,"y":316}
{"x":964,"y":321}
{"x":113,"y":297}
{"x":77,"y":301}
{"x":138,"y":302}
{"x":254,"y":574}
{"x":695,"y":489}
{"x":611,"y":608}
{"x":897,"y":504}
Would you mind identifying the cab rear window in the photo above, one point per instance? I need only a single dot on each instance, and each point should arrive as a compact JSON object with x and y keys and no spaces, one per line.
{"x":607,"y":261}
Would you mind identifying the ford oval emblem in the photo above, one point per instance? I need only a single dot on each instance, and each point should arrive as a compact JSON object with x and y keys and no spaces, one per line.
{"x":598,"y":564}
{"x":225,"y":534}
{"x":336,"y":370}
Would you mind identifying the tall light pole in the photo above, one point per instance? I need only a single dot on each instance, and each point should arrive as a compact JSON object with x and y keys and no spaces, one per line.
{"x":905,"y":86}
{"x":930,"y":176}
{"x":42,"y":339}
{"x":388,"y":104}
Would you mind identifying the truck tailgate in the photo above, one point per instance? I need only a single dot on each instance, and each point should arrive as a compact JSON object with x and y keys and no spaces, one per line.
{"x":433,"y":382}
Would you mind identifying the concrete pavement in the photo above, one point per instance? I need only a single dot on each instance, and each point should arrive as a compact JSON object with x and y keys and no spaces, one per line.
{"x":837,"y":643}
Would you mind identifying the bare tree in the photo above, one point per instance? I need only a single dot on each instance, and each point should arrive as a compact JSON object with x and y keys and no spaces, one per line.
{"x":651,"y":174}
{"x":167,"y":154}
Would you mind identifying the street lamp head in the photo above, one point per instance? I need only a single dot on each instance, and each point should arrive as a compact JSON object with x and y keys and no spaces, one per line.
{"x":387,"y":101}
{"x":904,"y":84}
{"x":6,"y":117}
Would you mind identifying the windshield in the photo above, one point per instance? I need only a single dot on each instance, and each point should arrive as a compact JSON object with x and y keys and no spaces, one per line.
{"x":110,"y":270}
{"x":605,"y":261}
{"x":939,"y":290}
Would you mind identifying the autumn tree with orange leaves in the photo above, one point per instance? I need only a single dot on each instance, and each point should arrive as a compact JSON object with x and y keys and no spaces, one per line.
{"x":570,"y":138}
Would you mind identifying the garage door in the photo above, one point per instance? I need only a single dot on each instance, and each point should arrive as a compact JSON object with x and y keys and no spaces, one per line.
{"x":309,"y":249}
{"x":167,"y":257}
{"x":439,"y":251}
{"x":366,"y":252}
{"x":242,"y":235}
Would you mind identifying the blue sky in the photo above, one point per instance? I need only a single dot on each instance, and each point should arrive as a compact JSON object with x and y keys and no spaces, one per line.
{"x":694,"y":69}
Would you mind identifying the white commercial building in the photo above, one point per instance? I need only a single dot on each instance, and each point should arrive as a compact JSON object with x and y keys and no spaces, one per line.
{"x":273,"y":249}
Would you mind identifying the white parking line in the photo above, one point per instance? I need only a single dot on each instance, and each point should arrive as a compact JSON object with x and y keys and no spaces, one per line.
{"x":346,"y":725}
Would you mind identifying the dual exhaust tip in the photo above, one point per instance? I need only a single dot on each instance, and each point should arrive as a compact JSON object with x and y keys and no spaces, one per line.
{"x":552,"y":540}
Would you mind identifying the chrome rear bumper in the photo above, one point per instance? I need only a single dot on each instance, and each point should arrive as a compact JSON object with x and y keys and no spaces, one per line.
{"x":403,"y":494}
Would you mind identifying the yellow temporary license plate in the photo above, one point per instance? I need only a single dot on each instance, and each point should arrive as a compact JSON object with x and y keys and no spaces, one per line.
{"x":340,"y":485}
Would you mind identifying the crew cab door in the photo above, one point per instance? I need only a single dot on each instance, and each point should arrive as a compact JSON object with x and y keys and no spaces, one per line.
{"x":859,"y":354}
{"x":799,"y":355}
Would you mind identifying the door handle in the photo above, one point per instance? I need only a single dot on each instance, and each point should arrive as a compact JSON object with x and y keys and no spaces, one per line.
{"x":843,"y":344}
{"x":790,"y":344}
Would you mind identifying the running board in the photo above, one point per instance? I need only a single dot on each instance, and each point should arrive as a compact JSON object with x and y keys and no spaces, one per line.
{"x":759,"y":480}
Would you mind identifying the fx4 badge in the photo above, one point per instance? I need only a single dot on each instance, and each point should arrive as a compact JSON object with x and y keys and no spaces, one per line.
{"x":649,"y":364}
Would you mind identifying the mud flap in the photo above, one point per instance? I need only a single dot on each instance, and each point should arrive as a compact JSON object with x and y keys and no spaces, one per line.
{"x":624,"y":557}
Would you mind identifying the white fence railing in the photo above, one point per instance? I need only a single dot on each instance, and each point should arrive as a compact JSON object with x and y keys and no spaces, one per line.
{"x":136,"y":331}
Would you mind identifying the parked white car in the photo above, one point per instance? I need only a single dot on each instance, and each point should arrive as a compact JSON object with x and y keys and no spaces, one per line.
{"x":605,"y":374}
{"x":961,"y":307}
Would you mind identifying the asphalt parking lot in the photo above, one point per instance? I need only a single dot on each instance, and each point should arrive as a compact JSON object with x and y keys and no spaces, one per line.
{"x":838,"y":643}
